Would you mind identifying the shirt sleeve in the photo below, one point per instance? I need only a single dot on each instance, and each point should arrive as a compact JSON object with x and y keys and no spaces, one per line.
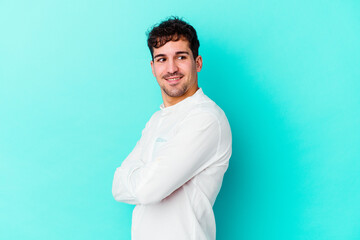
{"x":188,"y":152}
{"x":121,"y":187}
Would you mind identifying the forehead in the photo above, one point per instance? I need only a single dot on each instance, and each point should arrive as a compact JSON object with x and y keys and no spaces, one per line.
{"x":172,"y":47}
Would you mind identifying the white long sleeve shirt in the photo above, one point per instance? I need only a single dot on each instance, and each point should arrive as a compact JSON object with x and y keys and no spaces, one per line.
{"x":175,"y":171}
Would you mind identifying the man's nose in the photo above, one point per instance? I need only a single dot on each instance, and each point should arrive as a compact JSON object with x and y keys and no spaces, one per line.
{"x":172,"y":66}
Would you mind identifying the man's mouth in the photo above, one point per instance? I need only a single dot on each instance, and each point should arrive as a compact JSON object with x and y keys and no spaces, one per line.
{"x":173,"y":79}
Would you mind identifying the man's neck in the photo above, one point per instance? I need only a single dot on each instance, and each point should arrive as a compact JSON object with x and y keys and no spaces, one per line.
{"x":170,"y":101}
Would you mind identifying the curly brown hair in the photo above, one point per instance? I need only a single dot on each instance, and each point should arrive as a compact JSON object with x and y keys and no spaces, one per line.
{"x":172,"y":29}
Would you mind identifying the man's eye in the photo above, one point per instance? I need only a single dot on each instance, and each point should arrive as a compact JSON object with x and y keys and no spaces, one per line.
{"x":182,"y":57}
{"x":161,"y":59}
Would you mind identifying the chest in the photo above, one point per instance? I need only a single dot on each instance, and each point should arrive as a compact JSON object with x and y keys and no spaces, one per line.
{"x":161,"y":130}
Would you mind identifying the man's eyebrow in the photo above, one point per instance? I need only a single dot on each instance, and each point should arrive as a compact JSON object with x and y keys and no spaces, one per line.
{"x":177,"y":53}
{"x":183,"y":52}
{"x":159,"y":55}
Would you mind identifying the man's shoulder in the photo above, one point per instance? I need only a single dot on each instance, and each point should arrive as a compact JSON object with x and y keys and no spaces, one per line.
{"x":154,"y":116}
{"x":206,"y":106}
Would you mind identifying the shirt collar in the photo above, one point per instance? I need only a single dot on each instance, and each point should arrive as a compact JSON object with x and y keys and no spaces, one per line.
{"x":182,"y":103}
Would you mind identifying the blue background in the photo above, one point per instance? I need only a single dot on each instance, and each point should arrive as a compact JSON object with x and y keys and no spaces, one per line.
{"x":76,"y":90}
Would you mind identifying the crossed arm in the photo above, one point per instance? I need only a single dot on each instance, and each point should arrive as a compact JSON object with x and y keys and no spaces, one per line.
{"x":191,"y":150}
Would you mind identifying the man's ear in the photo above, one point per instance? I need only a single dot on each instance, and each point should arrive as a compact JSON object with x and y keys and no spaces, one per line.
{"x":152,"y":67}
{"x":199,"y":63}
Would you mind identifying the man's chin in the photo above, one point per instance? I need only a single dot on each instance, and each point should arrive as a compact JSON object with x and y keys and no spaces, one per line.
{"x":174,"y":92}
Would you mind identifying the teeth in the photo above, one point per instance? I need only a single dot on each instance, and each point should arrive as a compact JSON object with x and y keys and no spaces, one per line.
{"x":174,"y":79}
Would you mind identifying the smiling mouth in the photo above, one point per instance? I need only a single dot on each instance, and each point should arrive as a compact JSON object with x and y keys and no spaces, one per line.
{"x":173,"y":80}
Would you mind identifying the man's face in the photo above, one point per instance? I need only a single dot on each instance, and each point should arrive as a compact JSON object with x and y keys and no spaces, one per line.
{"x":175,"y":69}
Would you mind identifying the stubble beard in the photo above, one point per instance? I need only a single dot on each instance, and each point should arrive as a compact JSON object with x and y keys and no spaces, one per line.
{"x":176,"y":92}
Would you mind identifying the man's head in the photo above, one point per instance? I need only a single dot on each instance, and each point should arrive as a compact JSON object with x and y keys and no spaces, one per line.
{"x":173,"y":29}
{"x":175,"y":60}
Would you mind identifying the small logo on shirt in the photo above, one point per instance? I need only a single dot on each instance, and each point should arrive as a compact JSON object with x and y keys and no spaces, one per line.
{"x":159,"y":139}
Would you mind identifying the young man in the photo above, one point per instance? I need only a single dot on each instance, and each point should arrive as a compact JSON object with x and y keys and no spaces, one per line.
{"x":175,"y":171}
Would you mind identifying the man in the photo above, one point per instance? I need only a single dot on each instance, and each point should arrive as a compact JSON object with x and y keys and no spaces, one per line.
{"x":175,"y":171}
